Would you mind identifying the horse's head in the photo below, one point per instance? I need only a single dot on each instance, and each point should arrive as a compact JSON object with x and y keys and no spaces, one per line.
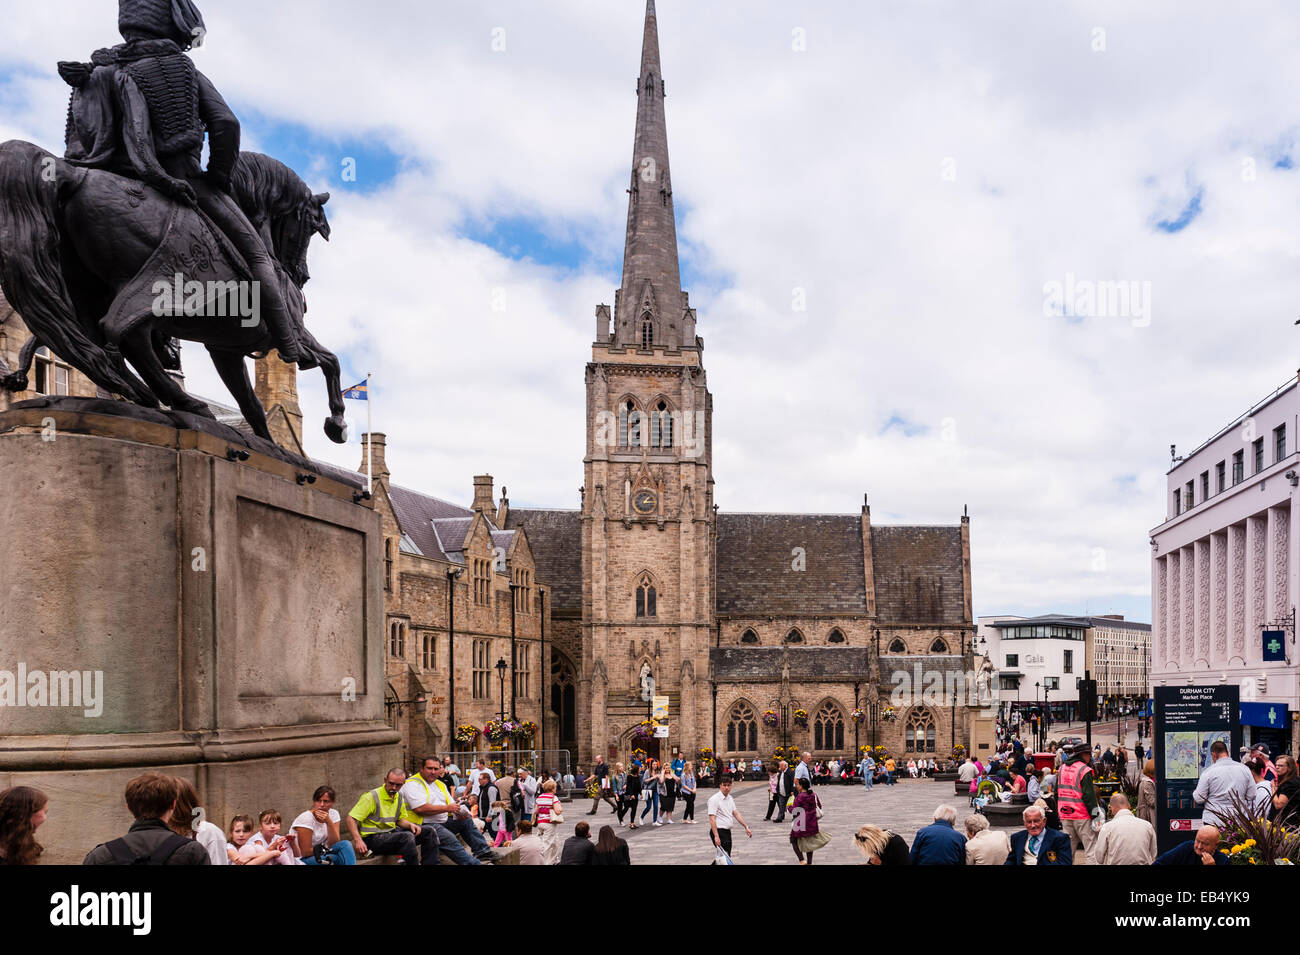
{"x":293,"y":232}
{"x":279,"y":203}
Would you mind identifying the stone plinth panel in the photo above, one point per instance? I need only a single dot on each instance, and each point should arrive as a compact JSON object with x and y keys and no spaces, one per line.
{"x":221,"y":618}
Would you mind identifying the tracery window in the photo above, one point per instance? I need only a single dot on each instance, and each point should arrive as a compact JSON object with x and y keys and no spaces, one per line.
{"x":919,"y":732}
{"x":645,"y":597}
{"x":742,"y":728}
{"x":828,"y":727}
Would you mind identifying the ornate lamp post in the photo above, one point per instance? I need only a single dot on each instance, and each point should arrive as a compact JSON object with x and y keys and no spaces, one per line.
{"x":501,"y":672}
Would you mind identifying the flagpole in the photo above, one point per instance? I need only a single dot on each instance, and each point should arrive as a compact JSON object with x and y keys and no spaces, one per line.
{"x":370,"y":441}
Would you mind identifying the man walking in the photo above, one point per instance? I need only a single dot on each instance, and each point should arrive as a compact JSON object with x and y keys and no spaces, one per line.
{"x":804,"y":769}
{"x":603,"y":794}
{"x":867,"y":769}
{"x":784,"y":788}
{"x":722,"y":810}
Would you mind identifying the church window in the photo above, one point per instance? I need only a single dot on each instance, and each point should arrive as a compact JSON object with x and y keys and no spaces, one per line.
{"x":633,"y":426}
{"x":397,"y":639}
{"x":661,"y":426}
{"x":742,"y":728}
{"x":647,"y":331}
{"x":828,"y":727}
{"x":938,"y":647}
{"x":482,"y":669}
{"x":749,"y":636}
{"x":919,"y":734}
{"x":427,"y":658}
{"x":388,"y":563}
{"x":794,"y":636}
{"x":835,"y":637}
{"x":645,"y":597}
{"x":898,"y":647}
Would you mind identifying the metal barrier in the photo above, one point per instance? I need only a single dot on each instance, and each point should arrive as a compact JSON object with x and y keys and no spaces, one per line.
{"x":504,"y":762}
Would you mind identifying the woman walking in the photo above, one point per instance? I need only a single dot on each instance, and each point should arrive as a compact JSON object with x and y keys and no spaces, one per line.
{"x":667,"y":795}
{"x":773,"y":769}
{"x":22,"y":810}
{"x":631,"y":794}
{"x":688,"y":794}
{"x":650,"y":788}
{"x":805,"y":835}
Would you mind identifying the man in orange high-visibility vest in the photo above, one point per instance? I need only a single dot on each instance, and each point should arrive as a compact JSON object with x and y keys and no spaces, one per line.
{"x":1076,"y":801}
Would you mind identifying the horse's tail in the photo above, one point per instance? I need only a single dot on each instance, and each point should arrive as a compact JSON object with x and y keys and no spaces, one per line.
{"x":31,"y":272}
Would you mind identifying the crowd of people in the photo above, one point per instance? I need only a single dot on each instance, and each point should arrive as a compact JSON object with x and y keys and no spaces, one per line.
{"x":417,"y":819}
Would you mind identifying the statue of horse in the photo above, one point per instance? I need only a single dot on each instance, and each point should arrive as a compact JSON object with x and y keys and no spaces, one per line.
{"x":88,"y":259}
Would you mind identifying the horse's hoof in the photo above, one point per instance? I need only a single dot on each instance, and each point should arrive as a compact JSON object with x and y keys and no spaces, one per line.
{"x":336,"y":429}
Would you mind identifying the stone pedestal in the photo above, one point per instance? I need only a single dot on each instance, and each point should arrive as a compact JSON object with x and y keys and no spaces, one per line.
{"x":169,"y":606}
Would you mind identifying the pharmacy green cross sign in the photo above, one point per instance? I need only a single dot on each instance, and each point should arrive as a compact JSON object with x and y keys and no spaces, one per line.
{"x":1274,"y":645}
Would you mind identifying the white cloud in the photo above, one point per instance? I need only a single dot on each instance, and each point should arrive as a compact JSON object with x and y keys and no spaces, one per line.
{"x":821,"y":170}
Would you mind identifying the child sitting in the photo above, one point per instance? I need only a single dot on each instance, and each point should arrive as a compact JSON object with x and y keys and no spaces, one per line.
{"x":269,"y":840}
{"x":239,"y":850}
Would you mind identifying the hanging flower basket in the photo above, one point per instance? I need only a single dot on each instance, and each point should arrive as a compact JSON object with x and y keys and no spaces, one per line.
{"x":706,"y":752}
{"x":801,"y":719}
{"x":959,"y":752}
{"x":527,"y":730}
{"x":771,"y":718}
{"x":644,"y":730}
{"x":889,"y":714}
{"x":466,"y":734}
{"x":858,"y":716}
{"x":498,"y":731}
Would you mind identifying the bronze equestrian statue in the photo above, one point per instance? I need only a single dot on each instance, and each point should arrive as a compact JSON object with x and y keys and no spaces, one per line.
{"x":126,"y":243}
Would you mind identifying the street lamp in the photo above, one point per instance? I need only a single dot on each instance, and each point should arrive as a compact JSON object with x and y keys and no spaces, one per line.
{"x":1038,"y":694}
{"x":501,"y":672}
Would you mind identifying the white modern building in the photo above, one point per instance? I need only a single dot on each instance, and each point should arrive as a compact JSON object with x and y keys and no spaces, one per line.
{"x":1224,"y":567}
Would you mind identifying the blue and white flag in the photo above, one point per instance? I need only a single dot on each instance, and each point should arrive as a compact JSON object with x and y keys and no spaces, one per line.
{"x":358,"y":392}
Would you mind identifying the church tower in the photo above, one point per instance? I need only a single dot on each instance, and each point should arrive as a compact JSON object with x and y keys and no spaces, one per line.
{"x":647,"y":505}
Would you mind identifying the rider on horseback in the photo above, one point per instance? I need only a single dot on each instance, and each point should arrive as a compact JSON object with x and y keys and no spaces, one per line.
{"x":140,"y":110}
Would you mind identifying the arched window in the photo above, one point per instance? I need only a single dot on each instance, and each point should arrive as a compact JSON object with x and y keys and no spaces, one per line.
{"x":938,"y":647}
{"x":794,"y":636}
{"x":742,"y":728}
{"x":429,"y":644}
{"x":388,"y":563}
{"x":647,"y":331}
{"x":828,"y":727}
{"x":836,"y":636}
{"x":749,"y":636}
{"x":645,"y":597}
{"x":397,"y":639}
{"x":629,"y":425}
{"x":898,"y":646}
{"x":919,"y":732}
{"x":661,"y":426}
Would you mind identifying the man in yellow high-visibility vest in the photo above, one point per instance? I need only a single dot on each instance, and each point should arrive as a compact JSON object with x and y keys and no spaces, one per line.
{"x":428,"y":804}
{"x":376,"y":823}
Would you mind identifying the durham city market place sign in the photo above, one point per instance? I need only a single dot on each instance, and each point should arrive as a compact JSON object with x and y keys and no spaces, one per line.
{"x":1189,"y":720}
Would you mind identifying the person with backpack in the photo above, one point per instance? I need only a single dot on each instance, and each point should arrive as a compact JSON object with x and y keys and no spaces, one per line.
{"x":151,"y":799}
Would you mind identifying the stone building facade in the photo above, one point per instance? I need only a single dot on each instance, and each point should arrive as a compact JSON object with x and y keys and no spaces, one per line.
{"x":730,"y":615}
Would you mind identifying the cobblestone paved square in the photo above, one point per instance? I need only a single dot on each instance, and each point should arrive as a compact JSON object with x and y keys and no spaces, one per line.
{"x":903,"y":808}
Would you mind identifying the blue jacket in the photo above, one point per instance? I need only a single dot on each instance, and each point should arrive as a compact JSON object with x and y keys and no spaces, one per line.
{"x":939,"y":844}
{"x":1053,"y":850}
{"x":1185,"y":854}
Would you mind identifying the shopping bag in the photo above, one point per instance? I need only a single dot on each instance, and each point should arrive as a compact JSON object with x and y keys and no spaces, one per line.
{"x":721,"y":858}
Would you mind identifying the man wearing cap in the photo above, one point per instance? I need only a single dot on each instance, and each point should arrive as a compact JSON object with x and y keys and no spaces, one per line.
{"x":1076,"y":801}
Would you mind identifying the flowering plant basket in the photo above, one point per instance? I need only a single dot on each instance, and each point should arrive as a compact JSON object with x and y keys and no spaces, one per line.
{"x":858,"y":716}
{"x":889,"y":714}
{"x":498,"y":731}
{"x":644,"y":730}
{"x":639,"y":754}
{"x":527,"y":730}
{"x":466,"y":734}
{"x":801,"y":719}
{"x":770,"y":718}
{"x":706,"y":752}
{"x":959,"y":752}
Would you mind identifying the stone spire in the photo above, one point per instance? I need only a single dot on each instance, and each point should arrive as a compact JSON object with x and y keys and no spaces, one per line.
{"x":652,"y":286}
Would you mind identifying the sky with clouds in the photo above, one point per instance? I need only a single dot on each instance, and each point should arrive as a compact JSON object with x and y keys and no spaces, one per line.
{"x":895,"y":220}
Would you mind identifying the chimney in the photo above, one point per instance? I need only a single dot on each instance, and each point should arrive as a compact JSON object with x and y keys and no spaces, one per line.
{"x":375,"y":444}
{"x":483,"y":495}
{"x":276,"y":387}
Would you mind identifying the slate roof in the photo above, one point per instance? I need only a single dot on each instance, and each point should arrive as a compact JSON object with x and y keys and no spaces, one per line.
{"x":556,"y":540}
{"x":918,"y":573}
{"x":756,"y":565}
{"x":415,"y":512}
{"x":1066,"y":620}
{"x":807,"y":664}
